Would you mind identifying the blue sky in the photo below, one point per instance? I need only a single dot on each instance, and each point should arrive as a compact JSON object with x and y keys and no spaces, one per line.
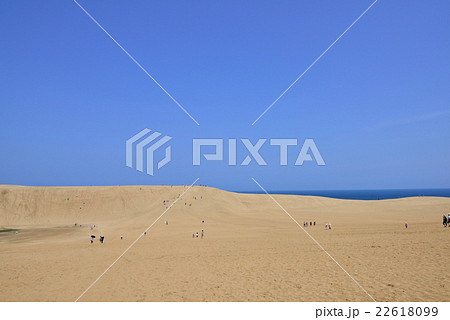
{"x":377,"y":104}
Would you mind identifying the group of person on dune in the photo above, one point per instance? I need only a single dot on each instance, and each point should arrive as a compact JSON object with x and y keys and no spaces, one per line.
{"x":101,"y":238}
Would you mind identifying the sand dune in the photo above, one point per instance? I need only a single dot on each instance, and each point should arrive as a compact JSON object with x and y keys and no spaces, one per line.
{"x":252,"y":251}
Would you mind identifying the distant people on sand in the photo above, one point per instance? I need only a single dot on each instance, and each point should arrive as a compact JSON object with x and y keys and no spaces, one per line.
{"x":196,"y":234}
{"x":444,"y":220}
{"x":121,"y":236}
{"x":92,"y":238}
{"x":314,"y":223}
{"x":166,"y":222}
{"x":202,"y":234}
{"x":406,"y":226}
{"x":101,"y":238}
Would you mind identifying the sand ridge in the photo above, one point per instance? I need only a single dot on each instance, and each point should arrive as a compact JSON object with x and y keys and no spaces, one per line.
{"x":252,"y":251}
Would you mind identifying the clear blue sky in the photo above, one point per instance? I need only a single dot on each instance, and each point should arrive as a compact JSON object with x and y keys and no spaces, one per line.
{"x":377,"y":104}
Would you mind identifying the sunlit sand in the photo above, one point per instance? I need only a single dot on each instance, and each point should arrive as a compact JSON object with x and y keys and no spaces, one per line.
{"x":251,"y":250}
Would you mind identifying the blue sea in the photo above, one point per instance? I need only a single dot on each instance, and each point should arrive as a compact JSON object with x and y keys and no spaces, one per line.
{"x":366,"y":194}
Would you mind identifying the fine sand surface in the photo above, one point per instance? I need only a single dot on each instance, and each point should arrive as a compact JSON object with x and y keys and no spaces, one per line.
{"x":252,"y":250}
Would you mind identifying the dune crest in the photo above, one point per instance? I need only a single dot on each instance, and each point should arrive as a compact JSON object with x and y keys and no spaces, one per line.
{"x":251,"y":250}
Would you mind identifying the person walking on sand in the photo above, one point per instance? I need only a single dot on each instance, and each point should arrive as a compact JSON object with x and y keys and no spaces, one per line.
{"x":202,"y":234}
{"x":121,"y":236}
{"x":196,"y":234}
{"x":444,"y":220}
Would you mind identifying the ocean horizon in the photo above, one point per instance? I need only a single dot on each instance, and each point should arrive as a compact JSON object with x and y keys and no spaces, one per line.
{"x":363,"y":194}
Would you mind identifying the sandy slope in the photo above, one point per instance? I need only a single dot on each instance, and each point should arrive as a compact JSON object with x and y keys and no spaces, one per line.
{"x":252,"y":251}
